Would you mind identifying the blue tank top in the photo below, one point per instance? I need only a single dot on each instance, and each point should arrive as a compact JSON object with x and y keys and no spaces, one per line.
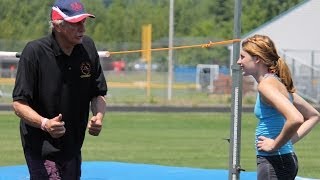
{"x":270,"y":124}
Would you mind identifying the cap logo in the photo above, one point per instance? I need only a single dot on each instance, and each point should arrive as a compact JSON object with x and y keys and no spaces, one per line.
{"x":76,"y":6}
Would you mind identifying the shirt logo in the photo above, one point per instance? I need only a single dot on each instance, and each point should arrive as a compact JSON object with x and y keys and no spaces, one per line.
{"x":85,"y":69}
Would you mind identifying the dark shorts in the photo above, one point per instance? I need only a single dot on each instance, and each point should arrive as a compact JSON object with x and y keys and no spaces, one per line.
{"x":43,"y":169}
{"x":279,"y":167}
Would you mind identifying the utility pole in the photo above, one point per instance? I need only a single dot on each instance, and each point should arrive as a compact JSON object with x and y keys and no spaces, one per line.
{"x":170,"y":61}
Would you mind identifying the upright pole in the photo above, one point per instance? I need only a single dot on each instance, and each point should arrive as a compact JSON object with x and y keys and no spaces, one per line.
{"x":149,"y":59}
{"x":146,"y":53}
{"x":312,"y":69}
{"x":170,"y":61}
{"x":236,"y":106}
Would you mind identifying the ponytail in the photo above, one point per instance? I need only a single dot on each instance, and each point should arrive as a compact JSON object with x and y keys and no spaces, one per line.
{"x":284,"y":74}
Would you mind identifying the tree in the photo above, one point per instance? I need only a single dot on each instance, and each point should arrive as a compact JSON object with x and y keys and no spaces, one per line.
{"x":118,"y":24}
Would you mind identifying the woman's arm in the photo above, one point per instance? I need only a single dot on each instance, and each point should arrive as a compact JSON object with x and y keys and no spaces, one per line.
{"x":310,"y":115}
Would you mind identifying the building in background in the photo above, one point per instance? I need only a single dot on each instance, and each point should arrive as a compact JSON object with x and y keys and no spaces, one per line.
{"x":296,"y":34}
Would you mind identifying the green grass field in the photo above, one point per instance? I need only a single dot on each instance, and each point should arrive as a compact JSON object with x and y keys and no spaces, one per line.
{"x":173,"y":139}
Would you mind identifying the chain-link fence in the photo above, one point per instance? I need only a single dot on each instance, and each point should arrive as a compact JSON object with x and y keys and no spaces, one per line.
{"x":129,"y":82}
{"x":205,"y":84}
{"x":305,"y":70}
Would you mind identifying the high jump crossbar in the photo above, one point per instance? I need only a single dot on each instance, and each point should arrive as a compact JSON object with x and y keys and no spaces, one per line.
{"x":109,"y":53}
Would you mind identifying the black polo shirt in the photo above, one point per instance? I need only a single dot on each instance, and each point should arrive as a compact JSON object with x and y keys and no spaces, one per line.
{"x":52,"y":82}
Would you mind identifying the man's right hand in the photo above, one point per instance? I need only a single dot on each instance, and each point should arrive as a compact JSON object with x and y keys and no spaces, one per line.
{"x":55,"y":127}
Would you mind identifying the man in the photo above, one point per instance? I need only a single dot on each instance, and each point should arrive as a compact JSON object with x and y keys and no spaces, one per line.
{"x":59,"y":77}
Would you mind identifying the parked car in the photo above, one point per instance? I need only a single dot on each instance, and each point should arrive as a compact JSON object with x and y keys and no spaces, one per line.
{"x":144,"y":66}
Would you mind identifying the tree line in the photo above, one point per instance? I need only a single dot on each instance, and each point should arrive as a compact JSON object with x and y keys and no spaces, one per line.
{"x":118,"y":24}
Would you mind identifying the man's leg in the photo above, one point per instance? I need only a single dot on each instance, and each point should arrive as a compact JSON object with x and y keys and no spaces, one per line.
{"x":70,"y":169}
{"x":41,"y":169}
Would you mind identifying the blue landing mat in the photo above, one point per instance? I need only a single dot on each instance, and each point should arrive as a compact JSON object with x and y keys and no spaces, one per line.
{"x":128,"y":171}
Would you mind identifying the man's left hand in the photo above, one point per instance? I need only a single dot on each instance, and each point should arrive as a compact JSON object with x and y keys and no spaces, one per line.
{"x":95,"y":126}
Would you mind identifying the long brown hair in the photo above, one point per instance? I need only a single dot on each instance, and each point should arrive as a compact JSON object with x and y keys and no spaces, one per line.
{"x":263,"y":47}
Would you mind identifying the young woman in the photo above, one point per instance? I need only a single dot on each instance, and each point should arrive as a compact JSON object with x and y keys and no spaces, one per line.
{"x":284,"y":117}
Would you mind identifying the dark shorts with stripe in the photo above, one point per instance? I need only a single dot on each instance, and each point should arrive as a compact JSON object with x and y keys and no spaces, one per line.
{"x":279,"y":167}
{"x":44,"y":169}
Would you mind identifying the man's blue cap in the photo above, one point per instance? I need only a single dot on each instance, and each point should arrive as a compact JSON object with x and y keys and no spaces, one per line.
{"x":69,"y":10}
